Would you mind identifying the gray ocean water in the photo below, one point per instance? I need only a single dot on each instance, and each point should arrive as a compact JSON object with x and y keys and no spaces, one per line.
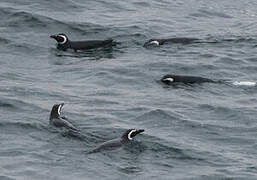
{"x":195,"y":132}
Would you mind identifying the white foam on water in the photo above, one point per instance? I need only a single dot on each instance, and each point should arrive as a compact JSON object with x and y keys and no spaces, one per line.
{"x":244,"y":83}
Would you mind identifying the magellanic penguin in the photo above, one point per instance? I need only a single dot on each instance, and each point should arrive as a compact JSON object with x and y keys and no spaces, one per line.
{"x":56,"y":120}
{"x":63,"y":43}
{"x":158,"y":42}
{"x":119,"y":142}
{"x":171,"y":79}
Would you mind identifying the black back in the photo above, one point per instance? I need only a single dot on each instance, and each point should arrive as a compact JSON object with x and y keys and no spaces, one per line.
{"x":179,"y":40}
{"x":173,"y":40}
{"x":117,"y":143}
{"x":84,"y":45}
{"x":79,"y":45}
{"x":184,"y":79}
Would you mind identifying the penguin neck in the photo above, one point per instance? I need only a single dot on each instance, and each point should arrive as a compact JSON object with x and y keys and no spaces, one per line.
{"x":54,"y":115}
{"x":125,"y":140}
{"x":64,"y":46}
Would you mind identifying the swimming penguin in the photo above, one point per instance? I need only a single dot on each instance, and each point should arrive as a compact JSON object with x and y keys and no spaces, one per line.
{"x":63,"y":43}
{"x":119,"y":142}
{"x":171,"y":78}
{"x":56,"y":120}
{"x":158,"y":42}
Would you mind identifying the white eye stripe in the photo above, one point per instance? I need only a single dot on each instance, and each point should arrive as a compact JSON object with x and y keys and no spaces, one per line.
{"x":65,"y":39}
{"x":59,"y":109}
{"x":155,"y":42}
{"x":169,"y":79}
{"x":129,"y":134}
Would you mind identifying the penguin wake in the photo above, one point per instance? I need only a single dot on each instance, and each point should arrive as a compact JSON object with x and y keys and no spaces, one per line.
{"x":244,"y":83}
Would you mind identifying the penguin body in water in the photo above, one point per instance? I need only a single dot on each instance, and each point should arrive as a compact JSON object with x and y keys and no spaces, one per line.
{"x":63,"y":43}
{"x":57,"y":121}
{"x":119,"y":142}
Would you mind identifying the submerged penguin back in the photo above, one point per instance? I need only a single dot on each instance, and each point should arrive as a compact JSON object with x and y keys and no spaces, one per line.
{"x":109,"y":145}
{"x":83,"y":45}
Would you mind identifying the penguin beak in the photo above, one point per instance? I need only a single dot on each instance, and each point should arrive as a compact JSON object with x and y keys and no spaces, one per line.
{"x":61,"y":106}
{"x":53,"y":36}
{"x":139,"y":131}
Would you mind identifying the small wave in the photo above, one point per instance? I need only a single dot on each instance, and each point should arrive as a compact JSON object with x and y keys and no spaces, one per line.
{"x":22,"y":125}
{"x":33,"y":20}
{"x":17,"y":104}
{"x":233,"y":39}
{"x":6,"y":11}
{"x":244,"y":83}
{"x":5,"y":178}
{"x":4,"y":41}
{"x":7,"y":105}
{"x":130,"y":169}
{"x":164,"y":150}
{"x":157,"y":117}
{"x":210,"y":13}
{"x":20,"y":20}
{"x":11,"y":104}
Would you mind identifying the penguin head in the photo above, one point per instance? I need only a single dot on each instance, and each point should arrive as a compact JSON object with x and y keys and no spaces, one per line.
{"x":168,"y":79}
{"x":56,"y":111}
{"x":60,"y":38}
{"x":130,"y":133}
{"x":152,"y":42}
